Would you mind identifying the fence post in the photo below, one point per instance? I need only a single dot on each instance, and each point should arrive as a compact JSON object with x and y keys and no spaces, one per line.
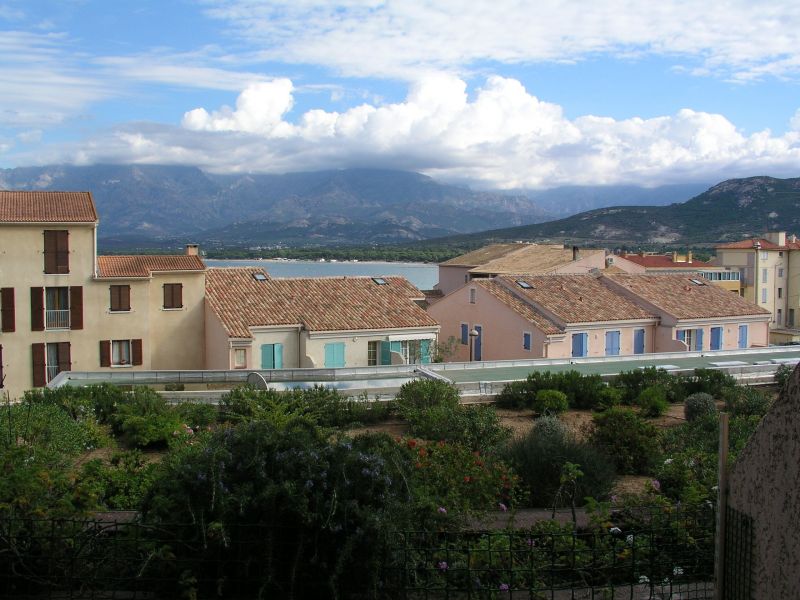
{"x":722,"y":508}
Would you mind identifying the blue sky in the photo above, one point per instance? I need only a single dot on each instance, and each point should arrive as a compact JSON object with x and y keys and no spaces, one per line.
{"x":490,"y":94}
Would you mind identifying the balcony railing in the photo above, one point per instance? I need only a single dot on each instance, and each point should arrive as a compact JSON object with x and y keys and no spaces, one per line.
{"x":56,"y":319}
{"x":52,"y":371}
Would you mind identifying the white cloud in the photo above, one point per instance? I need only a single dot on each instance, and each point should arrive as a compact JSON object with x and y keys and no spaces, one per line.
{"x":739,"y":40}
{"x":499,"y":136}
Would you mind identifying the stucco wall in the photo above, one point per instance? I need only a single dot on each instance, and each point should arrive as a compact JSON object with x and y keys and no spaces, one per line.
{"x":764,"y":485}
{"x":355,"y":344}
{"x":451,"y":278}
{"x":178,"y":335}
{"x":217,"y":346}
{"x":291,"y":346}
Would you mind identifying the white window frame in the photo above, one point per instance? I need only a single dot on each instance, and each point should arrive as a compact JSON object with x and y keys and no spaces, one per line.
{"x":473,"y":295}
{"x":763,"y":295}
{"x":237,"y":354}
{"x":373,"y":353}
{"x":121,"y":353}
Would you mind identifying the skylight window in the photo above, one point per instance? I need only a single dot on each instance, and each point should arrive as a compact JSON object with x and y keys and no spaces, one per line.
{"x":380,"y":281}
{"x":524,"y":284}
{"x":259,"y":276}
{"x":697,"y":281}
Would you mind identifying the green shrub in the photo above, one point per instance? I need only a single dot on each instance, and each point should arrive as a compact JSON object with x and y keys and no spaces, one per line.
{"x":426,"y":393}
{"x":476,"y":427}
{"x":653,"y":401}
{"x":782,"y":375}
{"x":515,"y":395}
{"x":609,"y":398}
{"x":551,"y":402}
{"x":145,"y":419}
{"x":539,"y":457}
{"x":122,"y":484}
{"x":709,"y":381}
{"x":631,"y":441}
{"x":582,"y":391}
{"x":697,"y":405}
{"x":744,"y":401}
{"x":633,"y":383}
{"x":198,"y":415}
{"x":47,"y":426}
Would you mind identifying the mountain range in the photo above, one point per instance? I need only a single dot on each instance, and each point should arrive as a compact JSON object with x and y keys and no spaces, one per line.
{"x":152,"y":205}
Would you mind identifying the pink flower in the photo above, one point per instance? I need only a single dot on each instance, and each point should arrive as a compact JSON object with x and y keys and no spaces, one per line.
{"x":442,"y":565}
{"x":442,"y":510}
{"x":656,"y":484}
{"x":503,"y":587}
{"x":502,"y":506}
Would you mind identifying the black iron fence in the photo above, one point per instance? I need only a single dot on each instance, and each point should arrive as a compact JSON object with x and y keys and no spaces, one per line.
{"x":665,"y":552}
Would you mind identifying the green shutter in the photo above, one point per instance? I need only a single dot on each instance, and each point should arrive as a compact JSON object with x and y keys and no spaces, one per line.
{"x":386,"y":353}
{"x":278,"y":356}
{"x":267,"y":356}
{"x":334,"y":355}
{"x":425,"y":351}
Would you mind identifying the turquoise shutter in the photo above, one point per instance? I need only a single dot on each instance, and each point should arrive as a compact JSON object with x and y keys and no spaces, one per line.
{"x":386,"y":356}
{"x":267,"y":356}
{"x":329,"y":356}
{"x":278,"y":356}
{"x":425,"y":351}
{"x":340,"y":355}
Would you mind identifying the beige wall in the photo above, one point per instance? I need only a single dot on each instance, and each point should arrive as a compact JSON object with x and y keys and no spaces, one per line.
{"x":597,"y":339}
{"x":451,"y":278}
{"x":355,"y":344}
{"x":217,"y":344}
{"x":290,"y":338}
{"x":177,"y":335}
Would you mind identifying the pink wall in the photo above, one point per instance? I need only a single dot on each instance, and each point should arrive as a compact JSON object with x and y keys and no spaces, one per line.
{"x":596,"y":260}
{"x":451,"y":278}
{"x":757,"y":335}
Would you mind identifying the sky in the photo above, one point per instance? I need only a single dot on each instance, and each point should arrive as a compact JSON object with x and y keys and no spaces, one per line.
{"x":500,"y":94}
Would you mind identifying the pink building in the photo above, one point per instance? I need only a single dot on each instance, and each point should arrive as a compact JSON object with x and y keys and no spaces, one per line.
{"x":570,"y":315}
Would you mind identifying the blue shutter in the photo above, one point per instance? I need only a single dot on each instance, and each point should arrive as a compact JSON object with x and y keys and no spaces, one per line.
{"x":386,"y":353}
{"x":580,"y":344}
{"x":267,"y":356}
{"x":681,"y":335}
{"x":334,"y":355}
{"x":716,"y":338}
{"x":638,"y":341}
{"x":464,"y":334}
{"x":699,"y":339}
{"x":742,"y":336}
{"x":329,"y":356}
{"x":425,"y":351}
{"x":278,"y":356}
{"x":479,"y":343}
{"x":526,"y":341}
{"x":612,"y":343}
{"x":340,"y":362}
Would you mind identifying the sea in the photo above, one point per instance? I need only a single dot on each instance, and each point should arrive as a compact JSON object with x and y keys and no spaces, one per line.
{"x":422,"y":275}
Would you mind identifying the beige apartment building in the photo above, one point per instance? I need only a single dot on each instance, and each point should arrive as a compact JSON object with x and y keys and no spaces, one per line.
{"x":674,"y":262}
{"x":65,"y":308}
{"x":770,"y":277}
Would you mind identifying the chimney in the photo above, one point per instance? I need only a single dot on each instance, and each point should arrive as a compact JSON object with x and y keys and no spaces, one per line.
{"x":689,"y":257}
{"x":793,"y":238}
{"x":776,"y":237}
{"x":674,"y":257}
{"x":192,"y":249}
{"x":576,"y":253}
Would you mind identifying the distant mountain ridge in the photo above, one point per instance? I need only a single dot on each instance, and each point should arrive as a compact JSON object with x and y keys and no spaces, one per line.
{"x":731,"y":210}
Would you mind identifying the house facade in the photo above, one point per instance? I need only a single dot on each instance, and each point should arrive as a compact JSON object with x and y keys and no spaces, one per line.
{"x":770,"y":277}
{"x":571,"y":316}
{"x":256,"y":322}
{"x":726,"y":278}
{"x":65,"y":308}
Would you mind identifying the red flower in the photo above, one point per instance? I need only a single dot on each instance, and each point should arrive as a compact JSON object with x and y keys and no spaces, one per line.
{"x":467,"y":479}
{"x":412,"y":443}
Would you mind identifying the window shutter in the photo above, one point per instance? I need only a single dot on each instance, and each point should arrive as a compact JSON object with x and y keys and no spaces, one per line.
{"x":76,"y":307}
{"x":1,"y":367}
{"x":105,"y":353}
{"x":125,"y":297}
{"x":425,"y":351}
{"x":39,"y":365}
{"x":64,"y":358}
{"x":50,"y":246}
{"x":178,"y":295}
{"x":37,"y":309}
{"x":278,"y":356}
{"x":62,"y":251}
{"x":7,"y":322}
{"x":386,"y":353}
{"x":136,"y":352}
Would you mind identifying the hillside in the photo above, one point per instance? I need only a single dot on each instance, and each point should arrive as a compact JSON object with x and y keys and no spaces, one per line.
{"x":728,"y":211}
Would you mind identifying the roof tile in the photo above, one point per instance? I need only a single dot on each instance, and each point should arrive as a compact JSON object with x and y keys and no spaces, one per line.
{"x":144,"y":265}
{"x":47,"y":207}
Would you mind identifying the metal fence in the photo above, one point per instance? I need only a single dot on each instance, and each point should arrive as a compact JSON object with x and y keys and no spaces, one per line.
{"x":738,"y":555}
{"x":666,"y":552}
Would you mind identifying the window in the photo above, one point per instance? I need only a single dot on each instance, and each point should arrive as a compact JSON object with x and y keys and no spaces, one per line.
{"x":271,"y":356}
{"x":120,"y":300}
{"x":260,"y":276}
{"x":7,"y":310}
{"x":373,"y":353}
{"x":764,"y":255}
{"x":779,"y":317}
{"x":239,"y":358}
{"x":464,"y":334}
{"x":56,"y":314}
{"x":173,"y":295}
{"x":380,"y":281}
{"x":56,"y":251}
{"x":49,"y":360}
{"x":763,"y":276}
{"x":526,"y":340}
{"x":763,"y":295}
{"x":612,"y":343}
{"x":790,"y":318}
{"x":743,"y":336}
{"x":472,"y":294}
{"x":580,"y":344}
{"x":716,"y":338}
{"x":334,"y":355}
{"x":120,"y":353}
{"x":692,"y":337}
{"x":780,"y":293}
{"x":638,"y":341}
{"x":524,"y":284}
{"x":780,"y":271}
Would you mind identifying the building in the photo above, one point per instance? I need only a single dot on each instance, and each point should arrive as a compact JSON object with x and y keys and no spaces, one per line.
{"x":570,"y":315}
{"x":256,"y":322}
{"x":65,"y":308}
{"x":674,"y":262}
{"x":770,"y":277}
{"x":501,"y":259}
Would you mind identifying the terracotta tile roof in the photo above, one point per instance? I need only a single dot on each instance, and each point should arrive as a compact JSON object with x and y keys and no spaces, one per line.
{"x":680,"y":297}
{"x":47,"y":207}
{"x":576,"y":298}
{"x":523,"y":309}
{"x":765,"y":245}
{"x":481,"y":255}
{"x":318,"y":303}
{"x":664,"y":261}
{"x":144,"y":265}
{"x":516,"y":258}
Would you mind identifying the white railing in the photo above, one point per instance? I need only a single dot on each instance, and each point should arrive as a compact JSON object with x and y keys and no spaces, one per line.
{"x":56,"y":319}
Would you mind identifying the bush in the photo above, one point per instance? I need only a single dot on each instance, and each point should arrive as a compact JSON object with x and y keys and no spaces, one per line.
{"x":709,"y":381}
{"x":698,"y":405}
{"x":609,"y":398}
{"x":476,"y":427}
{"x":782,"y":375}
{"x":653,"y":401}
{"x":633,"y":383}
{"x":145,"y":419}
{"x":198,"y":415}
{"x":582,"y":391}
{"x":426,"y":393}
{"x":744,"y":401}
{"x":550,"y":402}
{"x":48,"y":427}
{"x":631,"y":441}
{"x":122,"y":484}
{"x":539,"y":457}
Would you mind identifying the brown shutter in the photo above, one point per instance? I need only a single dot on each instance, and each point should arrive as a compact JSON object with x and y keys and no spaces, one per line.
{"x":179,"y":295}
{"x":125,"y":297}
{"x":76,"y":307}
{"x":1,"y":367}
{"x":62,"y":251}
{"x":39,"y":365}
{"x":50,"y":245}
{"x":64,"y":358}
{"x":37,"y":309}
{"x":8,"y":319}
{"x":105,"y":353}
{"x":136,"y":352}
